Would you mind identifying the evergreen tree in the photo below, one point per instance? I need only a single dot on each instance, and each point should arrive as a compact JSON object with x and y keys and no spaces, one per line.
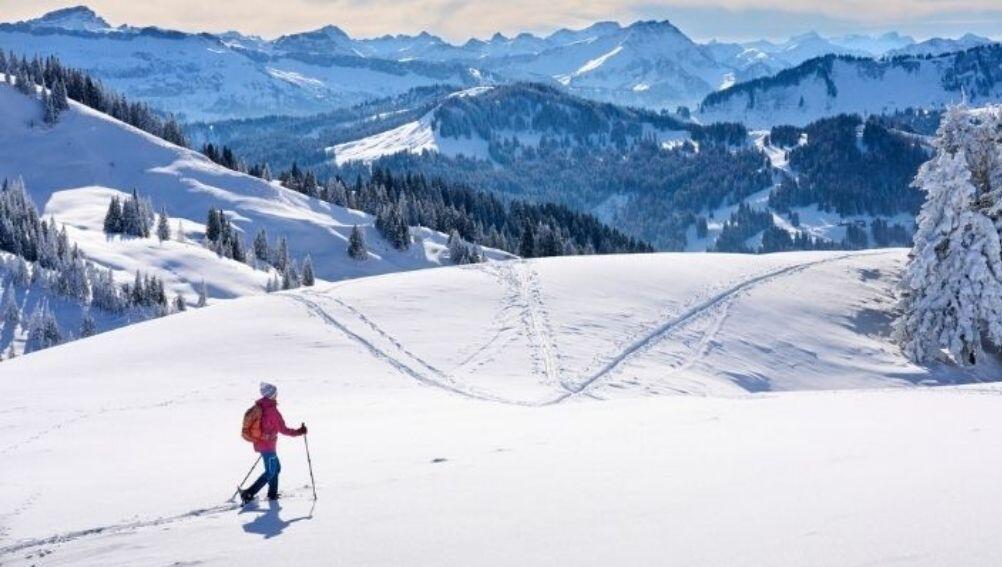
{"x":179,"y":303}
{"x":308,"y":277}
{"x":213,"y":226}
{"x":282,"y":259}
{"x":180,"y":232}
{"x":87,"y":326}
{"x":262,"y":250}
{"x":952,"y":288}
{"x":203,"y":295}
{"x":113,"y":218}
{"x":11,"y":310}
{"x":50,"y":115}
{"x":60,"y":99}
{"x":43,"y":330}
{"x":527,"y":244}
{"x":356,"y":245}
{"x":163,"y":226}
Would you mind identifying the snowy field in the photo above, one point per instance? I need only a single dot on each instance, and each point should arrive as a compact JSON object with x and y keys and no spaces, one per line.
{"x":631,"y":410}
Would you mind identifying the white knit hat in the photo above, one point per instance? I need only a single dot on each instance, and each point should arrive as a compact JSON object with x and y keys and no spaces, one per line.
{"x":268,"y":390}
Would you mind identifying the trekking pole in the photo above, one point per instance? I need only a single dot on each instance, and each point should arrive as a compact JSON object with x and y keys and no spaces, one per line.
{"x":246,"y":477}
{"x":309,"y":461}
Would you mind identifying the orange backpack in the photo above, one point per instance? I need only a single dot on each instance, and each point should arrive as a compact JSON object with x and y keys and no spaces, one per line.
{"x":252,"y":424}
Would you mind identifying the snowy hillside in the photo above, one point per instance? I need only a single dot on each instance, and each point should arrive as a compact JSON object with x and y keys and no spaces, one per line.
{"x":406,"y":432}
{"x":832,"y":85}
{"x":469,"y":122}
{"x":416,"y":137}
{"x":73,"y":168}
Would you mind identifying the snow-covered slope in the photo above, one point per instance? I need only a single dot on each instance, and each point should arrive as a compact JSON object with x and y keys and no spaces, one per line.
{"x":416,"y":137}
{"x":73,"y":168}
{"x":131,"y":437}
{"x":832,"y":85}
{"x":468,"y":121}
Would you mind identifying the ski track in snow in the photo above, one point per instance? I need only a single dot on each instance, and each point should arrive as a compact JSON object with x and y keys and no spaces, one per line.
{"x":123,"y":527}
{"x":525,"y":295}
{"x":500,"y":322}
{"x":719,"y":303}
{"x":524,"y":280}
{"x":439,"y":380}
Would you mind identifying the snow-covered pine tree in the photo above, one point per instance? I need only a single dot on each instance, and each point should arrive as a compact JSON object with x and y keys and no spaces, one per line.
{"x":113,"y":218}
{"x":308,"y":277}
{"x":179,"y":303}
{"x":213,"y":226}
{"x":262,"y":250}
{"x":203,"y":295}
{"x":282,"y":259}
{"x":87,"y":326}
{"x":273,"y":284}
{"x":356,"y":245}
{"x":11,"y":310}
{"x":163,"y":225}
{"x":179,"y":233}
{"x":952,"y":287}
{"x":43,"y":330}
{"x":60,"y":98}
{"x":290,"y":277}
{"x":50,"y":115}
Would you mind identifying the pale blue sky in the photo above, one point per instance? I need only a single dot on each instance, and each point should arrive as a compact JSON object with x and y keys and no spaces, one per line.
{"x":457,"y":20}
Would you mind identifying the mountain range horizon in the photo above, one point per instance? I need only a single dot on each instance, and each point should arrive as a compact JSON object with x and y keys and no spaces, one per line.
{"x":95,"y":21}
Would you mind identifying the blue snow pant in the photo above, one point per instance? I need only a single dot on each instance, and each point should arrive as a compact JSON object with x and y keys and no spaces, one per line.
{"x":270,"y":475}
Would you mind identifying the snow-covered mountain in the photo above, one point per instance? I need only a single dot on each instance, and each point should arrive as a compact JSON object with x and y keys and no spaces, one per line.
{"x":422,"y":389}
{"x":466,"y":123}
{"x":651,"y":64}
{"x":204,"y":77}
{"x":77,"y":18}
{"x":231,"y":75}
{"x":73,"y":168}
{"x":939,"y":46}
{"x":837,"y":84}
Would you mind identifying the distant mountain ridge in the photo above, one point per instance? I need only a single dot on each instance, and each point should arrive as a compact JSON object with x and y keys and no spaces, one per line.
{"x":201,"y":76}
{"x":836,"y":84}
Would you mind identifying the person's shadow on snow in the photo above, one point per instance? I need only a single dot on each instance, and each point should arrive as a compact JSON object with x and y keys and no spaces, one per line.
{"x":268,"y":523}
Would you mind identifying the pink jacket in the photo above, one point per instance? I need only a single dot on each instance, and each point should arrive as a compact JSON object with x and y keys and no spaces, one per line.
{"x":272,"y":424}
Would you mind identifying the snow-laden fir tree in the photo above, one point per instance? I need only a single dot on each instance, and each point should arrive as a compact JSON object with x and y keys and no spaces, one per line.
{"x":60,"y":98}
{"x":290,"y":277}
{"x":180,"y":237}
{"x":308,"y":276}
{"x":43,"y":330}
{"x":50,"y":114}
{"x":10,"y":308}
{"x":203,"y":295}
{"x":163,"y":226}
{"x":87,"y":326}
{"x":179,"y":303}
{"x":281,"y":259}
{"x":462,"y":252}
{"x":262,"y":250}
{"x":356,"y":245}
{"x":113,"y":218}
{"x":952,"y":288}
